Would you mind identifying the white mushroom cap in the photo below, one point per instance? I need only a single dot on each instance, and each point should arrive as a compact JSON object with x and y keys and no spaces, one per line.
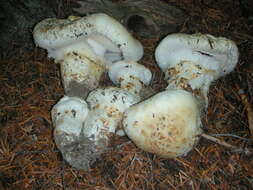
{"x":68,"y":116}
{"x":167,"y":124}
{"x":69,"y":109}
{"x":97,"y":30}
{"x":176,"y":48}
{"x":126,"y":69}
{"x":130,"y":75}
{"x":199,"y":58}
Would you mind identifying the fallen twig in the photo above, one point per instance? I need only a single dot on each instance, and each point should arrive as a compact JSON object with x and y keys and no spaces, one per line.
{"x":231,"y":135}
{"x":227,"y":145}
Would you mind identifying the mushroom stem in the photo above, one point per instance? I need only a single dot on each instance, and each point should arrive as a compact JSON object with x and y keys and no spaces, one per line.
{"x":81,"y":73}
{"x":100,"y":125}
{"x":188,"y":76}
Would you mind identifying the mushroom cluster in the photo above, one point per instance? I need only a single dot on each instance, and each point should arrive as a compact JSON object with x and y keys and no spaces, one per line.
{"x":167,"y":124}
{"x":107,"y":105}
{"x":85,"y":47}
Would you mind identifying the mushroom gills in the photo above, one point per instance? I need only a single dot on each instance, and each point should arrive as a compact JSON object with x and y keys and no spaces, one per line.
{"x":104,"y":47}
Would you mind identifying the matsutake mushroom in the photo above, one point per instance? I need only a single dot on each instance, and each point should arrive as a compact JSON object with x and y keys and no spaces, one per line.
{"x":193,"y":62}
{"x":107,"y":106}
{"x":85,"y":47}
{"x":169,"y":123}
{"x":130,"y":75}
{"x":68,"y":117}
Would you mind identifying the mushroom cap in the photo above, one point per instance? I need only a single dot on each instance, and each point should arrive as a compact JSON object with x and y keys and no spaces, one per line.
{"x":53,"y":34}
{"x":126,"y":69}
{"x":167,"y":124}
{"x":216,"y":55}
{"x":67,"y":111}
{"x":111,"y":97}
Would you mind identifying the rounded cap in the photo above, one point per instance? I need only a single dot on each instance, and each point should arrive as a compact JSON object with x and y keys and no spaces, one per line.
{"x":107,"y":106}
{"x":69,"y":109}
{"x":216,"y":55}
{"x":104,"y":98}
{"x":167,"y":124}
{"x":124,"y":70}
{"x":103,"y":30}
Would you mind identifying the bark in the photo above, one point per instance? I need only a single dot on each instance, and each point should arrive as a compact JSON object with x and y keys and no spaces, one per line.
{"x":148,"y":18}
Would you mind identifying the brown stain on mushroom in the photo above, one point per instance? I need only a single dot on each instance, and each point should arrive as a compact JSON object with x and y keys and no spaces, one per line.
{"x":166,"y":134}
{"x":89,"y":77}
{"x":113,"y":112}
{"x":171,"y":127}
{"x":60,"y":121}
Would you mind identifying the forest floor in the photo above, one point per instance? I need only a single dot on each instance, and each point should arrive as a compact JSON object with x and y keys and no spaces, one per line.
{"x":30,"y":85}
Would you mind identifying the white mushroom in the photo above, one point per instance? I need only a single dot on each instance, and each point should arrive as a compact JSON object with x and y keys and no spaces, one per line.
{"x":68,"y":116}
{"x":195,"y":60}
{"x":86,"y":46}
{"x":166,"y":124}
{"x":107,"y":106}
{"x":169,"y":123}
{"x":130,"y":76}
